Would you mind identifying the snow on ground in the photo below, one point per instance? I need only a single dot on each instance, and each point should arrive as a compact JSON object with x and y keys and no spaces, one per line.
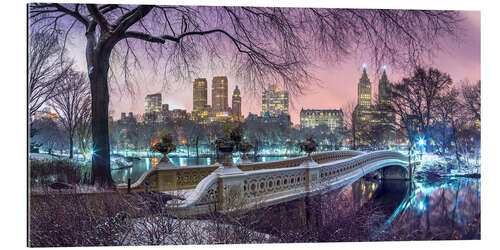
{"x":41,"y":156}
{"x":446,"y":165}
{"x":46,"y":156}
{"x":77,"y":189}
{"x":164,"y":230}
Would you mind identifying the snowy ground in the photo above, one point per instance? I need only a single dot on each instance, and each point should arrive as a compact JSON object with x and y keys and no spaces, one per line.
{"x":164,"y":230}
{"x":446,"y":165}
{"x":76,"y":189}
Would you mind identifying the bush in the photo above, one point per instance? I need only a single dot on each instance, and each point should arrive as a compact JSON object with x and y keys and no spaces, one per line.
{"x":63,"y":220}
{"x":48,"y":171}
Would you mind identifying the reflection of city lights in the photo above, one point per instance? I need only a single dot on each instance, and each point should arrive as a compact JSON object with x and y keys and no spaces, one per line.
{"x":154,"y":161}
{"x":421,"y":205}
{"x":183,"y":162}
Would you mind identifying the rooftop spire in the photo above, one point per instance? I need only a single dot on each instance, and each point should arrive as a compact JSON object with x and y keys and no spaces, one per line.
{"x":364,"y":76}
{"x":384,"y":75}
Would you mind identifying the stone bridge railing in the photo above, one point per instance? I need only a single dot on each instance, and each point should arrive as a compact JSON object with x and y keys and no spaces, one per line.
{"x":178,"y":178}
{"x":266,"y":187}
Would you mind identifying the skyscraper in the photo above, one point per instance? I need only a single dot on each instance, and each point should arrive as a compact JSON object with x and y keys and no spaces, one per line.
{"x":152,"y":103}
{"x":384,"y":90}
{"x":373,"y":122}
{"x":199,"y":94}
{"x":364,"y":90}
{"x":274,"y":102}
{"x":236,"y":104}
{"x":219,"y":94}
{"x":152,"y":107}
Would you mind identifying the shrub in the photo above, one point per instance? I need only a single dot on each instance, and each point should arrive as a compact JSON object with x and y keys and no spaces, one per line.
{"x":48,"y":171}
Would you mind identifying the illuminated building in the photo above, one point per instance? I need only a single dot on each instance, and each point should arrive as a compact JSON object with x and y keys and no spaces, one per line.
{"x":384,"y":91}
{"x":364,"y":90}
{"x":369,"y":119}
{"x":165,"y":113}
{"x":236,"y":105}
{"x":152,"y":107}
{"x":332,"y":118}
{"x":179,"y":114}
{"x":152,"y":103}
{"x":219,"y":94}
{"x":274,"y":102}
{"x":199,"y":94}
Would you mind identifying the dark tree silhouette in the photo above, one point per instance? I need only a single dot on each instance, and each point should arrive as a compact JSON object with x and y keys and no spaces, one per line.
{"x":83,"y":128}
{"x":262,"y":44}
{"x":46,"y":68}
{"x":472,"y":99}
{"x":447,"y":112}
{"x":418,"y":95}
{"x":70,"y":104}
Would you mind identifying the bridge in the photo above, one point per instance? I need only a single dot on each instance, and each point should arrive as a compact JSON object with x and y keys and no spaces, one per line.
{"x":245,"y":185}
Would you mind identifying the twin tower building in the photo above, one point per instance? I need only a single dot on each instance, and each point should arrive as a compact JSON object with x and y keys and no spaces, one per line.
{"x":374,"y":123}
{"x":220,"y":109}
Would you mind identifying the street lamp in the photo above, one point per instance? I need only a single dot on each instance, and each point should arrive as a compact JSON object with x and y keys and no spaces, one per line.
{"x":421,"y":143}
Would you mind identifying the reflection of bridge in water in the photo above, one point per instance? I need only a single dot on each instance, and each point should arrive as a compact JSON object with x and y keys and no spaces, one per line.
{"x":265,"y":184}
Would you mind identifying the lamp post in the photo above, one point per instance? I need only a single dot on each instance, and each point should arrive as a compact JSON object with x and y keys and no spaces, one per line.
{"x":421,"y":143}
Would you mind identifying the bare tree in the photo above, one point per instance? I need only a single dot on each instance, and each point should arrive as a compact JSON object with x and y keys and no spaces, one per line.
{"x":349,"y":128}
{"x":46,"y":68}
{"x":263,"y":44}
{"x":70,"y":103}
{"x":83,"y":129}
{"x":472,"y":99}
{"x":417,"y":97}
{"x":49,"y":136}
{"x":447,"y":112}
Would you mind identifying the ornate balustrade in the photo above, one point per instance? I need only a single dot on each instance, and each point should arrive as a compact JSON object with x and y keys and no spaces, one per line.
{"x":178,"y":178}
{"x":270,"y":186}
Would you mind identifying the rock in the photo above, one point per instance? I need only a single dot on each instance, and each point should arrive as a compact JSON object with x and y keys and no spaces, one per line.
{"x":59,"y":186}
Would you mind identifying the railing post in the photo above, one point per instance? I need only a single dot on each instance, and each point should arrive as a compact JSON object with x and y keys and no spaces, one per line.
{"x":229,"y":183}
{"x":311,"y":173}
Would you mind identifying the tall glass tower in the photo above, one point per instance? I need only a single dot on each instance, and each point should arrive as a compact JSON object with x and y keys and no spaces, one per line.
{"x":219,"y":94}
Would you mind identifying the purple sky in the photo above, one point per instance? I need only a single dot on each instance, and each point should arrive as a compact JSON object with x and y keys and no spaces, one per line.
{"x":339,"y":82}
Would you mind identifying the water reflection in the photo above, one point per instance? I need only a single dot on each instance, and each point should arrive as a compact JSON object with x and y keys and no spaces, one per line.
{"x":447,"y":209}
{"x":372,"y":210}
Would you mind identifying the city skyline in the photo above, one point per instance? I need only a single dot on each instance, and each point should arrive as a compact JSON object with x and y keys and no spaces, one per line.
{"x":338,"y":81}
{"x":282,"y":124}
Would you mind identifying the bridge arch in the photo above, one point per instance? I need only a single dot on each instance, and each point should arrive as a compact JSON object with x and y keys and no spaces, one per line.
{"x":225,"y":184}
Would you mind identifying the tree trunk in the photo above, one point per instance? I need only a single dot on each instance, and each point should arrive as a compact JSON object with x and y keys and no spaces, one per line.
{"x":101,"y":172}
{"x":197,"y":153}
{"x":71,"y":146}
